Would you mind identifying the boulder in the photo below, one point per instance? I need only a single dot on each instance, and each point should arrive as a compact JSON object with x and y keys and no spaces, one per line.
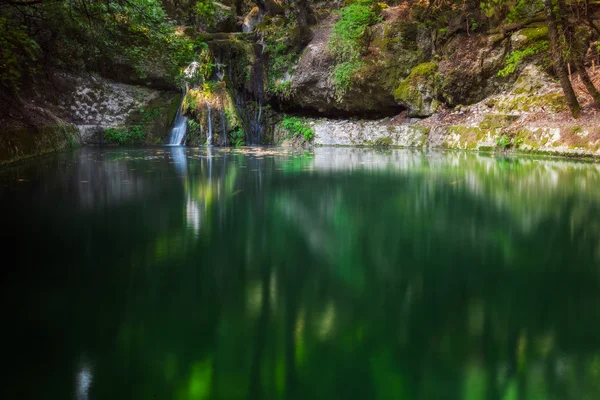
{"x":418,"y":92}
{"x":394,"y":50}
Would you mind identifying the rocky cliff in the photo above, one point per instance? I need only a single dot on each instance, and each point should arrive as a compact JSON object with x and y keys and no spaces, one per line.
{"x":360,"y":73}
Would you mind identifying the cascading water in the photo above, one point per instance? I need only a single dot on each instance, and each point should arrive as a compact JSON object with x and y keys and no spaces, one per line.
{"x":179,"y":129}
{"x":180,"y":125}
{"x":209,"y":137}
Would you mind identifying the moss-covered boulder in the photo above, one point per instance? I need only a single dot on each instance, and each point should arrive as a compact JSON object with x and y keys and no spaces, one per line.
{"x":43,"y":133}
{"x":395,"y":48}
{"x":418,"y":91}
{"x":529,"y":36}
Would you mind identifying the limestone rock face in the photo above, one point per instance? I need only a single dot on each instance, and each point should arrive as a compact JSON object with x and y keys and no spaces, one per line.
{"x":367,"y":133}
{"x":95,"y":104}
{"x":469,"y":69}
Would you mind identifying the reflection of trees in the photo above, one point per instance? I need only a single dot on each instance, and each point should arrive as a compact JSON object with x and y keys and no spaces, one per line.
{"x":406,"y":276}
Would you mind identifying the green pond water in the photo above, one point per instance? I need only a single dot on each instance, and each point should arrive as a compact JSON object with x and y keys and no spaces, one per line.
{"x":264,"y":273}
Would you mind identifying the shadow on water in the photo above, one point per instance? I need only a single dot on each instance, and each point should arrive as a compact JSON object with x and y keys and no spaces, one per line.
{"x":181,"y":273}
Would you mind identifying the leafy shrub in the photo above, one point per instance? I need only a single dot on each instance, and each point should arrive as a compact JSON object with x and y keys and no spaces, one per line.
{"x":281,"y":48}
{"x":349,"y":41}
{"x":282,"y":90}
{"x":297,"y":127}
{"x":19,"y":53}
{"x":237,"y":137}
{"x":207,"y":11}
{"x":194,"y":128}
{"x":503,"y":141}
{"x":90,"y":36}
{"x":149,"y":115}
{"x":343,"y":75}
{"x":127,"y":135}
{"x":524,"y":9}
{"x":515,"y":57}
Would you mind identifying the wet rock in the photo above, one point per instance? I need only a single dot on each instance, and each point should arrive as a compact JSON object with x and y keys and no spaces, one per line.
{"x":253,"y":18}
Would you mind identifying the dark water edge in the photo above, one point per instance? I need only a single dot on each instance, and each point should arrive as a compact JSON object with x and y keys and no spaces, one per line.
{"x":266,"y":273}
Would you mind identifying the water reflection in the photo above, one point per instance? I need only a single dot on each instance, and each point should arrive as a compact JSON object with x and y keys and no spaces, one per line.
{"x":268,"y":273}
{"x":84,"y":381}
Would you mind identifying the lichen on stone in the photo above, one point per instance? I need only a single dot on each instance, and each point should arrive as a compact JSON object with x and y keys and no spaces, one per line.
{"x":418,"y":91}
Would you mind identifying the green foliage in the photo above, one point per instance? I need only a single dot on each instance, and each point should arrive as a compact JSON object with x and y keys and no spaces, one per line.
{"x":343,"y":75}
{"x":349,"y":41}
{"x":237,"y":137}
{"x":503,"y":141}
{"x":194,"y":128}
{"x":524,"y":9}
{"x":348,"y":38}
{"x":493,"y":8}
{"x":91,"y":35}
{"x":282,"y":90}
{"x":515,"y":57}
{"x":127,"y":135}
{"x":19,"y":53}
{"x":282,"y":56}
{"x":297,"y":127}
{"x":206,"y":10}
{"x":149,"y":115}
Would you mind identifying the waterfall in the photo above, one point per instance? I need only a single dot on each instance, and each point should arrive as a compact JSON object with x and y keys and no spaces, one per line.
{"x":179,"y":126}
{"x":210,"y":131}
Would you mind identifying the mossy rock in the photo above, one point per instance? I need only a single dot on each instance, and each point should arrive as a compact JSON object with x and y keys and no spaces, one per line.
{"x":26,"y":142}
{"x":418,"y":91}
{"x":549,"y":102}
{"x":497,"y":121}
{"x":524,"y":38}
{"x":155,"y":118}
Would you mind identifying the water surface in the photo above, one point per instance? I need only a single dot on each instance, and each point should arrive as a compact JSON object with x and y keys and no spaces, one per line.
{"x":174,"y":273}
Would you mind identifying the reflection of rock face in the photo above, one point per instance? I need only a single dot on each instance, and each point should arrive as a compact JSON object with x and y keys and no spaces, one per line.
{"x":530,"y":200}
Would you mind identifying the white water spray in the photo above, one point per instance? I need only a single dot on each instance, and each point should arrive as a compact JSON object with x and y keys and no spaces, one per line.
{"x":179,"y":127}
{"x":209,"y":138}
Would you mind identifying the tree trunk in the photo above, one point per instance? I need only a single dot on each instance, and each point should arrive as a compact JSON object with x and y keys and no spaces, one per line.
{"x":589,"y":85}
{"x":588,"y":17}
{"x":558,"y":62}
